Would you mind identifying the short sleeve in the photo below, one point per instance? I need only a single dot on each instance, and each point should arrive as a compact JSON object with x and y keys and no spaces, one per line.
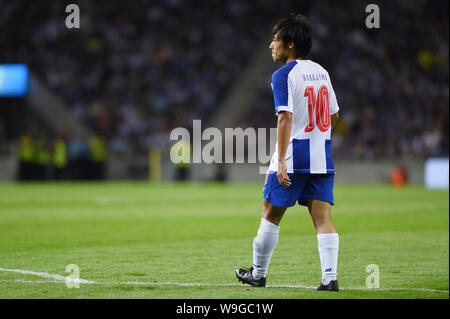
{"x":282,"y":90}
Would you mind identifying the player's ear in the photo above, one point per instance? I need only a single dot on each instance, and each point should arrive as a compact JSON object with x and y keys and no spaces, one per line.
{"x":291,"y":45}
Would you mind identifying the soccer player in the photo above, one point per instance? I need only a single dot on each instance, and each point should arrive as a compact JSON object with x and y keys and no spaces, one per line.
{"x":301,"y":168}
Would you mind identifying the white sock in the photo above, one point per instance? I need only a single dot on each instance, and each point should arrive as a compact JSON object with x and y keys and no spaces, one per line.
{"x":328,"y":252}
{"x":263,"y":245}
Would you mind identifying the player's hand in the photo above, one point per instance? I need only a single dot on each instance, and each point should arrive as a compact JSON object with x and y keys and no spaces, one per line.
{"x":282,"y":175}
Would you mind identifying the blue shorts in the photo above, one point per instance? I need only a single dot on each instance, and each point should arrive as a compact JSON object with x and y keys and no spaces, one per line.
{"x":303,"y":187}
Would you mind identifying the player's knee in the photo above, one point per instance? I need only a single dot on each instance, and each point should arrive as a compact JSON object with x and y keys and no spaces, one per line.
{"x":270,"y":215}
{"x":273,"y":219}
{"x":322,"y":221}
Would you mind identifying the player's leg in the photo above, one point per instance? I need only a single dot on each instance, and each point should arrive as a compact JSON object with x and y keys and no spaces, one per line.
{"x":276,"y":201}
{"x":318,"y":196}
{"x":267,"y":238}
{"x":328,"y":242}
{"x":320,"y":212}
{"x":263,"y":245}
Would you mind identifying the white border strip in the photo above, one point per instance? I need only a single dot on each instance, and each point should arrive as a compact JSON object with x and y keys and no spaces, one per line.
{"x":58,"y":278}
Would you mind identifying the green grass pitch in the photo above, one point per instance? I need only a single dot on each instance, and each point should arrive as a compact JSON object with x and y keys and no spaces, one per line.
{"x":142,"y":240}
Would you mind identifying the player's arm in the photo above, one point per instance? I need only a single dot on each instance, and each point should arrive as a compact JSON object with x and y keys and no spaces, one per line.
{"x":281,"y":85}
{"x":284,"y":126}
{"x":334,"y":119}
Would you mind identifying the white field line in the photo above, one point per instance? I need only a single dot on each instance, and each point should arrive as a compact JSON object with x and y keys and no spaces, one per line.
{"x":58,"y":279}
{"x":45,"y":275}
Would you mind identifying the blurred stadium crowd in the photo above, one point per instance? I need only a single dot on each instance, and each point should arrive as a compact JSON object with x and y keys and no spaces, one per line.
{"x":136,"y":69}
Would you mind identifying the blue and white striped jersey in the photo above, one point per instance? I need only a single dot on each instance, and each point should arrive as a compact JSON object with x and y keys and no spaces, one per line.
{"x":303,"y":88}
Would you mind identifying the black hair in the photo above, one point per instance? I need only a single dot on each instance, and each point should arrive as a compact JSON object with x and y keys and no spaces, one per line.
{"x":295,"y":29}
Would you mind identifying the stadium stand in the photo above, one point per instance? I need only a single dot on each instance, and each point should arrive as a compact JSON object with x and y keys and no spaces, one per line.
{"x":136,"y":69}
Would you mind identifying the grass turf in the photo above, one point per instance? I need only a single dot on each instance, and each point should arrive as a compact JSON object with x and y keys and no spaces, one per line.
{"x":157,"y":234}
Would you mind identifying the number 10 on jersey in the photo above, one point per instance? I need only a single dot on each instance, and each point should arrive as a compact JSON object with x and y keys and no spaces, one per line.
{"x":321,"y":106}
